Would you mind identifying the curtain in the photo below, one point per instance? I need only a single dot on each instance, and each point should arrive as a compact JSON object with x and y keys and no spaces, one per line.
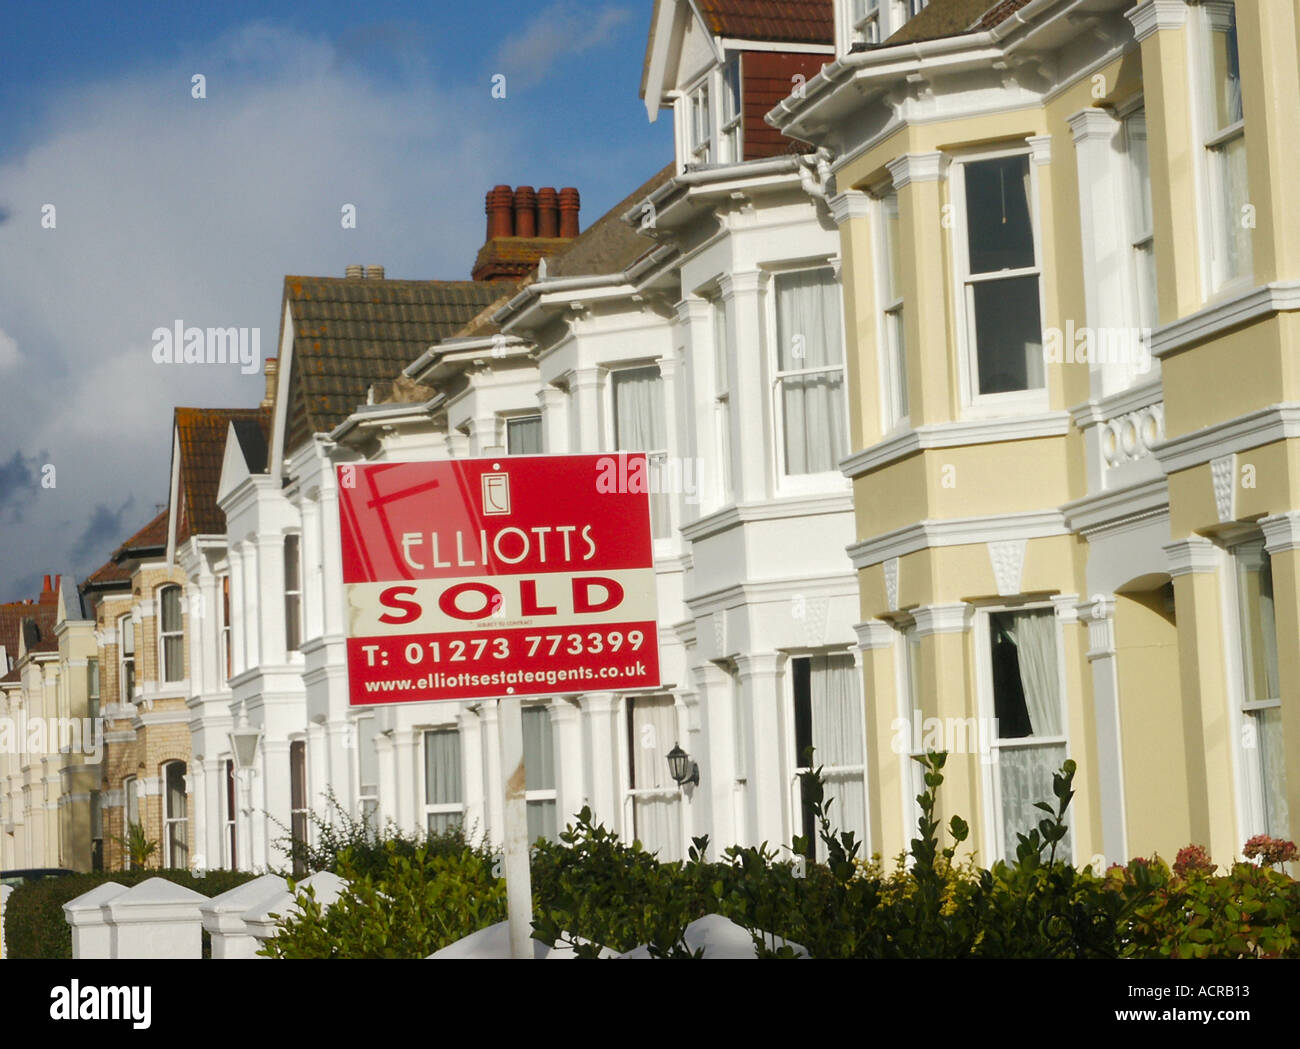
{"x":656,"y":815}
{"x":808,"y":337}
{"x":539,"y":772}
{"x":1235,"y":194}
{"x":640,"y":426}
{"x":1034,"y":634}
{"x":178,"y":852}
{"x":1272,"y":771}
{"x":1026,"y":779}
{"x":442,"y":778}
{"x":173,"y":639}
{"x":524,"y":436}
{"x":837,"y":727}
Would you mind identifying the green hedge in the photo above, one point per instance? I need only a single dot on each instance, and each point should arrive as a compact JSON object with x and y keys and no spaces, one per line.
{"x":35,"y":926}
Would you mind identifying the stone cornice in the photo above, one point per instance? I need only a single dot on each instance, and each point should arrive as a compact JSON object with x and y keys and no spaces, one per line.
{"x":1155,"y":15}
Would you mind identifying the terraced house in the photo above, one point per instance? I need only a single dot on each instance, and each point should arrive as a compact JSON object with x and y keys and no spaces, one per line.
{"x":1071,"y":271}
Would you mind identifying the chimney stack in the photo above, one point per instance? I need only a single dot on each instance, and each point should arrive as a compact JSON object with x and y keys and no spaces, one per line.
{"x":354,"y":272}
{"x":500,"y":205}
{"x":570,"y":203}
{"x":271,"y":368}
{"x":374,"y":273}
{"x":525,"y":212}
{"x":548,"y":212}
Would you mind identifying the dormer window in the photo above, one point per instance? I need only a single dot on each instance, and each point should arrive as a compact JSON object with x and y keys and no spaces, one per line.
{"x":700,"y":124}
{"x":865,"y":21}
{"x":731,"y":112}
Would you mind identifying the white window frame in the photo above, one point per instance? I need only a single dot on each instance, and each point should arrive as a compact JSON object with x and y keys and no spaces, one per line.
{"x":699,"y":106}
{"x":509,"y":420}
{"x":225,"y":654}
{"x":627,"y":792}
{"x":891,"y":317}
{"x":164,"y":668}
{"x":296,"y":595}
{"x":992,"y":831}
{"x":1144,"y":314}
{"x":168,"y":820}
{"x":656,"y":458}
{"x":827,"y":480}
{"x":441,"y":808}
{"x":1211,"y":145}
{"x":865,"y":21}
{"x":126,"y":691}
{"x":731,"y":127}
{"x":1249,"y":772}
{"x":793,"y":758}
{"x":911,"y":775}
{"x":1014,"y":402}
{"x":549,"y":793}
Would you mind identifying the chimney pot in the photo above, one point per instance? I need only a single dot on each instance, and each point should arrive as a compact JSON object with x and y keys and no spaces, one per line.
{"x":525,"y":212}
{"x":548,"y":212}
{"x":270,"y":369}
{"x":570,"y":205}
{"x":374,"y":273}
{"x":500,"y":206}
{"x":354,"y":272}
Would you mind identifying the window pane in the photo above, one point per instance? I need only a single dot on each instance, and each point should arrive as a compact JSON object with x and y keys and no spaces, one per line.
{"x":1139,"y":171}
{"x":442,"y":777}
{"x":1008,"y":335}
{"x":893,"y":263}
{"x":1225,"y":71}
{"x":171,"y":609}
{"x":1258,"y":625}
{"x":897,"y":363}
{"x":813,"y":413}
{"x":1272,"y":771}
{"x":1000,"y":234}
{"x":292,"y":570}
{"x":808,"y":320}
{"x":367,"y":756}
{"x":1025,"y":775}
{"x":524,"y":436}
{"x":639,"y":423}
{"x":1234,"y":195}
{"x":838,"y":724}
{"x":539,"y":750}
{"x":542,"y":821}
{"x":652,"y":732}
{"x":1026,"y":685}
{"x":127,"y":634}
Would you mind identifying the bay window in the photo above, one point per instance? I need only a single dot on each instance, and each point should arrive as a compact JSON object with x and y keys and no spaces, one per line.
{"x":539,"y":773}
{"x":652,"y":800}
{"x":1223,"y":126}
{"x":1000,"y":276}
{"x":444,"y":797}
{"x":1261,"y":703}
{"x":810,"y":371}
{"x":171,"y":633}
{"x":1023,"y":675}
{"x":640,"y":426}
{"x":829,"y":718}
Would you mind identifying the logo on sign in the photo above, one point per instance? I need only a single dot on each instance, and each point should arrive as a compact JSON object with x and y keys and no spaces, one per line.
{"x":496,"y":494}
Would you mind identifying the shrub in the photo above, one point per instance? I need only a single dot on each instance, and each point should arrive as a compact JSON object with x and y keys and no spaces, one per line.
{"x":412,"y":907}
{"x":35,"y":926}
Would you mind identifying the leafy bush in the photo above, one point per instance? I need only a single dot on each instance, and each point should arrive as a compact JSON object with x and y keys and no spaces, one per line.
{"x":368,"y":847}
{"x":35,"y":926}
{"x":412,"y":907}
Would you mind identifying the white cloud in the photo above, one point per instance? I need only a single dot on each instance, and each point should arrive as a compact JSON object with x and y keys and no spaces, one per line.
{"x":174,"y":208}
{"x":9,"y":355}
{"x":560,"y":31}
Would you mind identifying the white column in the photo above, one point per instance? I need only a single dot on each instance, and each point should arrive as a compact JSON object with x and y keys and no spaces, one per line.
{"x":751,"y":394}
{"x":586,"y":420}
{"x":768,"y":781}
{"x":490,"y":750}
{"x":569,"y":794}
{"x":555,"y":424}
{"x":604,"y":788}
{"x":238,"y":613}
{"x":270,"y":594}
{"x":333,"y":605}
{"x":313,"y":593}
{"x":1099,"y":615}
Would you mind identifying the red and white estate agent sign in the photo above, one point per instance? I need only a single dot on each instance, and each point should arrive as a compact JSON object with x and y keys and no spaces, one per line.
{"x":476,"y":578}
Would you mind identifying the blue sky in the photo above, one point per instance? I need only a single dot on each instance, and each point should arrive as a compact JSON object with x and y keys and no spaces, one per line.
{"x":168,"y":207}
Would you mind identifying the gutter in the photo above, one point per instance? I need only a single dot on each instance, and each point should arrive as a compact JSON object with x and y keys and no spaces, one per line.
{"x":784,"y":113}
{"x":379,"y":412}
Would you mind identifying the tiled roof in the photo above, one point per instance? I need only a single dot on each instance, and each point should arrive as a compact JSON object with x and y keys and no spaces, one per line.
{"x":783,"y":21}
{"x":106,"y":575}
{"x":17,"y":615}
{"x":351,"y":332}
{"x":954,"y":17}
{"x":152,"y":536}
{"x":609,"y":245}
{"x":201,"y":434}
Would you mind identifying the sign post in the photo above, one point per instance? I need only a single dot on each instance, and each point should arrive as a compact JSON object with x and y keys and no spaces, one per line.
{"x":506,"y":578}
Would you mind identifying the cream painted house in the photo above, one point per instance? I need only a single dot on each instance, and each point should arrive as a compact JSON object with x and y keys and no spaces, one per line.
{"x":1071,"y":268}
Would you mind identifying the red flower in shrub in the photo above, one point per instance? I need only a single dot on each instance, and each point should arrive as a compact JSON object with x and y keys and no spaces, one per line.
{"x":1269,"y":850}
{"x":1193,"y":859}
